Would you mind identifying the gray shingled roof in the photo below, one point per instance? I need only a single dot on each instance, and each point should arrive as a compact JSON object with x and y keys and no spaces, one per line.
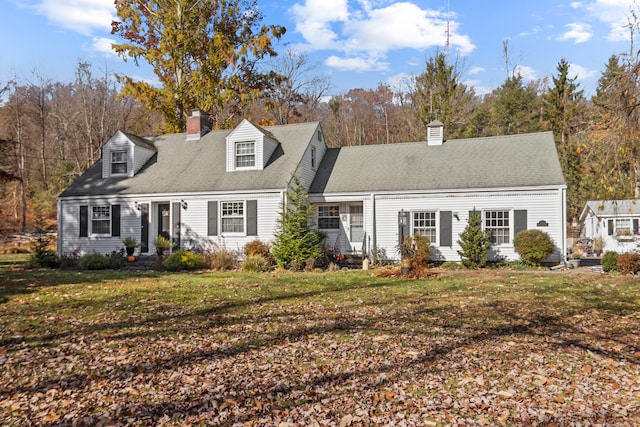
{"x":611,"y":207}
{"x":494,"y":162}
{"x":200,"y":166}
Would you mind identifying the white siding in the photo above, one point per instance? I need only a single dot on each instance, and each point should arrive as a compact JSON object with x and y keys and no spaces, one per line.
{"x":193,"y":222}
{"x":305,"y":172}
{"x":141,"y":156}
{"x":245,"y":131}
{"x":540,"y":206}
{"x":118,"y":142}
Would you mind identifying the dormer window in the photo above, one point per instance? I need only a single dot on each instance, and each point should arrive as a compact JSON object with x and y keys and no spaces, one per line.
{"x":119,"y":162}
{"x":245,"y":154}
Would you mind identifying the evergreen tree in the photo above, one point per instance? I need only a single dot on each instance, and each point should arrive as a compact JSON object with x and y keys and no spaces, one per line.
{"x":475,"y":243}
{"x":563,"y":108}
{"x":295,"y":242}
{"x":515,"y":108}
{"x":440,"y":94}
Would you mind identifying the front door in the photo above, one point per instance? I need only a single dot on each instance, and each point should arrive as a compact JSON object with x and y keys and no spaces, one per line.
{"x":144,"y":228}
{"x":164,"y":223}
{"x":356,"y":226}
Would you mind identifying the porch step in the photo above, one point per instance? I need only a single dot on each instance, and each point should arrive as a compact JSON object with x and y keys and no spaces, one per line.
{"x":142,"y":262}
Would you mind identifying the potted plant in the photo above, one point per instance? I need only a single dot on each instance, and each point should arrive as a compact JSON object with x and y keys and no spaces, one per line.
{"x":130,"y":245}
{"x":598,"y":245}
{"x":162,"y":244}
{"x":574,"y":259}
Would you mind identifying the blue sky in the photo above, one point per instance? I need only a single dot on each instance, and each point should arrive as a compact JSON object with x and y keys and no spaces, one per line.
{"x":358,"y":43}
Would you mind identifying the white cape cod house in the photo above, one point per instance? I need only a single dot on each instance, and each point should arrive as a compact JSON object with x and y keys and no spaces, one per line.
{"x":205,"y":188}
{"x":615,"y":222}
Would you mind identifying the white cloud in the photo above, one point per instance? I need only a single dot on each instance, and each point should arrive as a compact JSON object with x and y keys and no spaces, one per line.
{"x":103,"y":45}
{"x":527,"y":73}
{"x":580,"y":72}
{"x":578,"y":32}
{"x":82,"y":16}
{"x":356,"y":64}
{"x":365,"y":31}
{"x":475,"y":70}
{"x":616,"y":14}
{"x":575,"y":5}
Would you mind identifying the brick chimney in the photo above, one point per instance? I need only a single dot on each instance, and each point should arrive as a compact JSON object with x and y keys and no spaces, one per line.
{"x":198,"y":124}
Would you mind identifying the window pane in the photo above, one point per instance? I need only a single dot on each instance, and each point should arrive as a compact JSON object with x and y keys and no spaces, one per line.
{"x":101,"y":219}
{"x":328,"y":217}
{"x":496,"y":223}
{"x":233,"y":217}
{"x":424,"y":223}
{"x":119,"y":162}
{"x":245,"y":154}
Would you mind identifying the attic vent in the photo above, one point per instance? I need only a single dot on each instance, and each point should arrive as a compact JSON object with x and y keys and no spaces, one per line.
{"x":435,"y":133}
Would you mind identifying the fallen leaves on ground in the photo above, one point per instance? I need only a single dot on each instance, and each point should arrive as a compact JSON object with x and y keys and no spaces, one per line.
{"x":458,"y":350}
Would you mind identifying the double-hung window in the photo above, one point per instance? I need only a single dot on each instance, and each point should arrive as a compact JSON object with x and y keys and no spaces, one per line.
{"x":424,"y":223}
{"x":101,"y":219}
{"x":623,"y":226}
{"x":232,"y":217}
{"x":328,"y":217}
{"x":245,"y":154}
{"x":313,"y":157}
{"x":496,"y":223}
{"x":119,"y":162}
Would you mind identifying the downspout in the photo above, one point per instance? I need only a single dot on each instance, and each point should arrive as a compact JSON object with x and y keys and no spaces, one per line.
{"x":59,"y":231}
{"x":374,"y":242}
{"x":563,"y":246}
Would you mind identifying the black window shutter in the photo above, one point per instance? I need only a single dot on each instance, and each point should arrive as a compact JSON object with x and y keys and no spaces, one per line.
{"x":252,"y":217}
{"x":115,"y":220}
{"x":636,"y":226}
{"x":519,"y":221}
{"x":610,"y":227}
{"x":176,"y":223}
{"x":212,"y":219}
{"x":84,"y":221}
{"x":446,"y":238}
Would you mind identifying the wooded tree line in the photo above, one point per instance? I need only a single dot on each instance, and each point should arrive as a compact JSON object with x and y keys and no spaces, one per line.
{"x":217,"y":57}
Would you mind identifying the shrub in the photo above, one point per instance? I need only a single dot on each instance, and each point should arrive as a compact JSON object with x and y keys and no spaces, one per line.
{"x":294,"y":241}
{"x":256,"y":263}
{"x":116,"y":258}
{"x":628,"y":263}
{"x":533,"y":246}
{"x":221,"y":259}
{"x":95,"y":261}
{"x":451,"y":265}
{"x":42,"y":256}
{"x":70,"y":261}
{"x":257,"y":247}
{"x":183,"y":260}
{"x":475,"y":243}
{"x":610,"y":261}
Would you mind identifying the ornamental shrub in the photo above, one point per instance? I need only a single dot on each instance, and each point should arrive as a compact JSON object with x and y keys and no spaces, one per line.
{"x":257,"y":247}
{"x":95,"y":261}
{"x":295,"y":241}
{"x":475,"y":243}
{"x":628,"y":263}
{"x":183,"y":260}
{"x":610,"y":261}
{"x":533,"y":246}
{"x":256,"y":263}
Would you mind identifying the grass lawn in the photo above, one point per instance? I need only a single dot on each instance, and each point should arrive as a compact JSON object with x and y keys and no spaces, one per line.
{"x":487,"y":347}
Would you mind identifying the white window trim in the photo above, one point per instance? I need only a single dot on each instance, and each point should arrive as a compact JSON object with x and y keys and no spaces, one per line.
{"x":222,"y":217}
{"x":511,"y":219}
{"x":91,"y":219}
{"x":436,"y":226}
{"x":126,"y":162}
{"x":235,"y":154}
{"x":337,"y":216}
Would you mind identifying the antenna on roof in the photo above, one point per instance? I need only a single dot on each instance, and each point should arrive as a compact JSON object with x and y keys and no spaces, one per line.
{"x":448,"y":27}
